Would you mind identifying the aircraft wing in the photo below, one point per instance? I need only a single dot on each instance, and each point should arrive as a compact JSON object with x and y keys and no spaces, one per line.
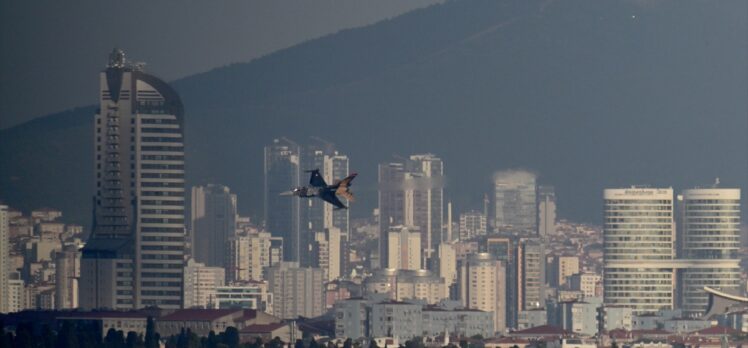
{"x":316,"y":180}
{"x":330,"y":197}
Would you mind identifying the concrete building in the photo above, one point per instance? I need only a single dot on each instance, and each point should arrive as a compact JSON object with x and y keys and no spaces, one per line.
{"x":200,"y":284}
{"x":135,"y":255}
{"x":710,"y":230}
{"x":327,"y":251}
{"x":483,"y":287}
{"x":457,"y":322}
{"x":17,"y":294}
{"x":585,"y":282}
{"x":472,"y":224}
{"x":213,"y":223}
{"x":515,"y":201}
{"x":67,"y":273}
{"x":249,"y":295}
{"x":202,"y":321}
{"x":530,"y":263}
{"x":531,"y":318}
{"x":250,"y":253}
{"x":546,"y":211}
{"x":401,"y":285}
{"x":352,"y":318}
{"x":4,"y":260}
{"x":396,"y":319}
{"x":563,"y":267}
{"x":404,"y":247}
{"x":411,"y":193}
{"x":578,"y":317}
{"x":616,"y":318}
{"x":282,"y":215}
{"x":639,"y":237}
{"x":448,"y":263}
{"x":296,"y":291}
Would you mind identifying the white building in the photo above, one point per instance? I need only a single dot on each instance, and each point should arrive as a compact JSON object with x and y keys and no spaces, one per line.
{"x":639,"y":236}
{"x":584,"y":282}
{"x":200,"y":284}
{"x":710,"y":230}
{"x":250,"y":253}
{"x":250,"y":295}
{"x":328,"y":253}
{"x":404,"y":248}
{"x":448,"y":263}
{"x":134,"y":257}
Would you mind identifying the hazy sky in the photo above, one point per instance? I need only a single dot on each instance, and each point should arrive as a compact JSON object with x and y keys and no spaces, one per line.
{"x":51,"y":51}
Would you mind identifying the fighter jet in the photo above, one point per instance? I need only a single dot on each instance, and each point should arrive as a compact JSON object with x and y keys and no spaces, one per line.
{"x":328,"y":193}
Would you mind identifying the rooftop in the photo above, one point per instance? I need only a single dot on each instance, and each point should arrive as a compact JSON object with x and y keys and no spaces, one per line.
{"x":199,"y":314}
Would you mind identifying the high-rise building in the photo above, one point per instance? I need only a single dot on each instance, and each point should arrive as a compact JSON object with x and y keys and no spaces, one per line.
{"x":515,"y":201}
{"x":530,"y":274}
{"x":411,"y":193}
{"x":483,"y":285}
{"x":710,"y":241}
{"x":296,"y":291}
{"x":327,"y":253}
{"x":472,"y":224}
{"x":67,"y":272}
{"x":546,"y":211}
{"x":213,"y":223}
{"x":282,"y":214}
{"x":135,"y":255}
{"x":639,"y":237}
{"x":316,"y":215}
{"x":448,"y":263}
{"x":200,"y":283}
{"x":404,"y":247}
{"x":250,"y":253}
{"x":4,"y":259}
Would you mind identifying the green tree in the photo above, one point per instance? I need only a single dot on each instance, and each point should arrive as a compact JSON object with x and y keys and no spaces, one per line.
{"x":133,"y":340}
{"x":373,"y":343}
{"x":48,"y":337}
{"x":67,"y":338}
{"x":231,"y":337}
{"x":212,"y":340}
{"x":348,"y":343}
{"x":151,"y":339}
{"x":313,"y":344}
{"x":299,"y":344}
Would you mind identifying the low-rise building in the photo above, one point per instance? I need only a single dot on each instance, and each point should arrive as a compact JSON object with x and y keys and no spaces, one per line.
{"x":249,"y":295}
{"x":396,"y":319}
{"x":532,"y":318}
{"x":121,"y":321}
{"x":265,"y":332}
{"x":202,"y":321}
{"x":458,"y":322}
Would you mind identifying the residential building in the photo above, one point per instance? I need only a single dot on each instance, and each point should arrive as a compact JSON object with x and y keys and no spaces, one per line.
{"x":4,"y":260}
{"x":472,"y":224}
{"x":250,"y":295}
{"x":67,"y":273}
{"x":530,"y":274}
{"x":135,"y":254}
{"x":401,"y":285}
{"x":563,"y":267}
{"x":352,"y":318}
{"x":396,"y":319}
{"x":250,"y":253}
{"x":585,"y":282}
{"x":483,"y":287}
{"x":201,"y":283}
{"x":296,"y":291}
{"x":448,"y":263}
{"x":404,"y":247}
{"x":616,"y":318}
{"x":458,"y":322}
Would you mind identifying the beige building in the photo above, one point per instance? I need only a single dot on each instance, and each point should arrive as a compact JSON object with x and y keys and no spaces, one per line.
{"x":483,"y":286}
{"x":565,"y":266}
{"x":448,"y":263}
{"x":200,"y":283}
{"x":328,"y":250}
{"x":585,"y":282}
{"x":401,"y":285}
{"x":249,"y":253}
{"x":404,"y":250}
{"x":296,"y":291}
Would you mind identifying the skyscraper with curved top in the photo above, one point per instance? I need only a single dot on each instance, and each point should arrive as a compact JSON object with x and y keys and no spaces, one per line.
{"x":135,"y":255}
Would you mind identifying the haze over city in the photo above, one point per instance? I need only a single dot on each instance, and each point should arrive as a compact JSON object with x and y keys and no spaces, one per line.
{"x":394,"y":173}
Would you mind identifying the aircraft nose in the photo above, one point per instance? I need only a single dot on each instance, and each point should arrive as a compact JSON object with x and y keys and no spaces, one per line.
{"x":286,"y":193}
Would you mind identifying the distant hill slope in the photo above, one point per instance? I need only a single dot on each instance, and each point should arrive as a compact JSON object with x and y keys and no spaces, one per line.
{"x":590,"y":94}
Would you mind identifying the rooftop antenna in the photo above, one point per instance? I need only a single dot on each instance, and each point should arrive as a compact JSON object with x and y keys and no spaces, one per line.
{"x":716,"y":183}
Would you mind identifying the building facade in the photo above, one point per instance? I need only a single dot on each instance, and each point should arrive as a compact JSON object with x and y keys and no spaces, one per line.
{"x":404,"y":248}
{"x":639,"y":237}
{"x":515,"y":201}
{"x":135,"y":255}
{"x":200,"y":284}
{"x":296,"y":291}
{"x":483,"y":287}
{"x":282,"y":214}
{"x":213,"y":223}
{"x":472,"y":224}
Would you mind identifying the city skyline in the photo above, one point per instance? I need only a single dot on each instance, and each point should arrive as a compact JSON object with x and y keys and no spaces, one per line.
{"x":491,"y":210}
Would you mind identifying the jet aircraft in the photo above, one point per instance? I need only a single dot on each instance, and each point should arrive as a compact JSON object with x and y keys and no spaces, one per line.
{"x":328,"y":193}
